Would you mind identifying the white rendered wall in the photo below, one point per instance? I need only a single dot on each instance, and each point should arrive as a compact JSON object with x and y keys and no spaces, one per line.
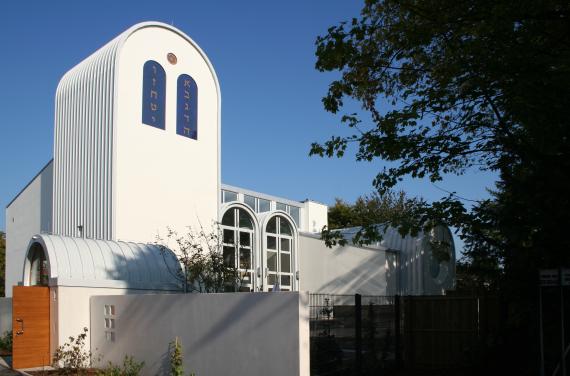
{"x":29,"y":214}
{"x":70,"y":309}
{"x":315,"y":216}
{"x":345,"y":270}
{"x":221,"y":334}
{"x":161,"y":178}
{"x":5,"y":315}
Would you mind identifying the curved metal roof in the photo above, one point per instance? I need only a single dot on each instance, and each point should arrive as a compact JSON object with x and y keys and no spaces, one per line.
{"x":392,"y":240}
{"x":105,"y":263}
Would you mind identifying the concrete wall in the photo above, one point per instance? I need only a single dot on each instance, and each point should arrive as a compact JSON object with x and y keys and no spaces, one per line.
{"x":29,"y":214}
{"x":69,"y":310}
{"x":345,"y":270}
{"x":221,"y":334}
{"x":5,"y":315}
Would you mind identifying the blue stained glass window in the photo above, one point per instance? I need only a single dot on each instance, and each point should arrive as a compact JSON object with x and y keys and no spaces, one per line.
{"x":187,"y":107}
{"x":154,"y":94}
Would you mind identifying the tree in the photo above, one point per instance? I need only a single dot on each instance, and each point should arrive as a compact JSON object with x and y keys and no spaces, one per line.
{"x":457,"y":85}
{"x":452,"y":86}
{"x":449,"y":86}
{"x":203,"y":265}
{"x":373,"y":213}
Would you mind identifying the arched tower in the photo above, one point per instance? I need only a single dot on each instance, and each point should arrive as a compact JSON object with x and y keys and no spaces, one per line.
{"x":137,"y":138}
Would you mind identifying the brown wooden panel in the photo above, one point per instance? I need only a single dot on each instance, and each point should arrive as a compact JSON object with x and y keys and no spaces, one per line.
{"x":30,"y":323}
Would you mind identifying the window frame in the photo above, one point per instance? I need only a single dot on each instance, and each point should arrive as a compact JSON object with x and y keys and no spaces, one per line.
{"x":237,"y":233}
{"x":291,"y":253}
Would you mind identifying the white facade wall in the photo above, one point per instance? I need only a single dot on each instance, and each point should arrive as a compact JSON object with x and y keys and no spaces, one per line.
{"x":345,"y":270}
{"x":161,"y":178}
{"x":221,"y":334}
{"x":413,"y":266}
{"x":28,"y":214}
{"x":316,"y":216}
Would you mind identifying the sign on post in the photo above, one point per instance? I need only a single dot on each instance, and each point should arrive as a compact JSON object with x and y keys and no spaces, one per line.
{"x":554,"y":277}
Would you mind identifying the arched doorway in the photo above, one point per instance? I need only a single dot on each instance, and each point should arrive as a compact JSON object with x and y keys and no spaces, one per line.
{"x":36,"y":271}
{"x":279,"y":254}
{"x":238,"y":238}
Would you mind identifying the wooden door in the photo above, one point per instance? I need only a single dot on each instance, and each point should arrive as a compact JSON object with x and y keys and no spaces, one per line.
{"x":30,"y":325}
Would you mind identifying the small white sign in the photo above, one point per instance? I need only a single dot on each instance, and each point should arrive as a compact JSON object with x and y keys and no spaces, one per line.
{"x":551,"y":277}
{"x":565,"y":277}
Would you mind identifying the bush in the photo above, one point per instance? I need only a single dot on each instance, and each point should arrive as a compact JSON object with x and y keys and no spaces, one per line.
{"x":177,"y":359}
{"x":130,"y":368}
{"x":71,"y":358}
{"x":6,"y":341}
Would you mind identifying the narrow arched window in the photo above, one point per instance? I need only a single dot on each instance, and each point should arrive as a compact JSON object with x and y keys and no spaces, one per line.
{"x":187,"y":107}
{"x":154,"y":94}
{"x":238,"y":245}
{"x":279,"y":254}
{"x":38,"y":272}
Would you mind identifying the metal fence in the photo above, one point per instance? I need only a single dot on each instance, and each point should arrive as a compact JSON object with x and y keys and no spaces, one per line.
{"x":371,"y":335}
{"x":352,"y":334}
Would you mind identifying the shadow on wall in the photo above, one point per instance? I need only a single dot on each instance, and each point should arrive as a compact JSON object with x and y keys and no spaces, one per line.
{"x":253,"y":328}
{"x":134,"y":270}
{"x":5,"y":315}
{"x":366,"y":277}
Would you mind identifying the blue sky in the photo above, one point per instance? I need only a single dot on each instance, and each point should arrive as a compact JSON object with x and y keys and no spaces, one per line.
{"x":263,"y":53}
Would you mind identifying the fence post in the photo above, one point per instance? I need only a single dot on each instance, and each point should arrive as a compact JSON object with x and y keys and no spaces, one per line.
{"x":358,"y":334}
{"x":397,"y":331}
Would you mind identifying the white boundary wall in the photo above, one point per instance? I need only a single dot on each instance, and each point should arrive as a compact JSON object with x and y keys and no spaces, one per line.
{"x":5,"y":315}
{"x":345,"y":270}
{"x":221,"y":334}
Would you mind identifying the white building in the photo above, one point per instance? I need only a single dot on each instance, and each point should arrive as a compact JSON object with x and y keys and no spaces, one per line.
{"x":130,"y":120}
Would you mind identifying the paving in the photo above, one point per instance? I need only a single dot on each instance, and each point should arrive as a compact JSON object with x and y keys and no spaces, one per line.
{"x":5,"y":369}
{"x":8,"y":372}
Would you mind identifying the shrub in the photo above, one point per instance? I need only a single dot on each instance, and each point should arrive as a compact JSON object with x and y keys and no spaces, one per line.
{"x":6,"y":341}
{"x":176,"y":358}
{"x":130,"y":368}
{"x":71,"y":358}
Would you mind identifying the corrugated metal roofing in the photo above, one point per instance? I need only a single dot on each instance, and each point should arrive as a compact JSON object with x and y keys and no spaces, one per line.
{"x":391,"y":238}
{"x":105,"y":263}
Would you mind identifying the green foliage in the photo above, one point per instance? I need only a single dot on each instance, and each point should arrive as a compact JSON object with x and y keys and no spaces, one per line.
{"x":6,"y":341}
{"x":130,"y":368}
{"x":203,"y":266}
{"x":2,"y":263}
{"x":372,"y":209}
{"x":374,"y":213}
{"x":177,"y":359}
{"x":442,"y":82}
{"x":72,"y":358}
{"x":452,"y":86}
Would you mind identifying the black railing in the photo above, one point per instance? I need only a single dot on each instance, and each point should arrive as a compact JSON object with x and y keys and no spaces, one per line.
{"x":352,"y":334}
